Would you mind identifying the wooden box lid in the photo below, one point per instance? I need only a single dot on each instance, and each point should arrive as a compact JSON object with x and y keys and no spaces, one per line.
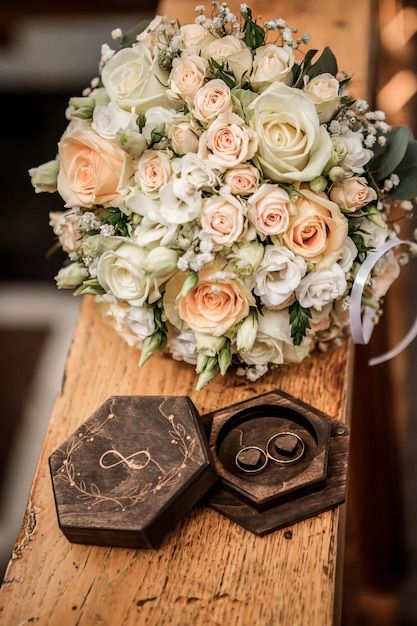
{"x":131,"y":471}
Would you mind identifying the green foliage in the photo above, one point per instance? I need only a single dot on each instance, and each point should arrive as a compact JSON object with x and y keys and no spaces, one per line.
{"x":130,"y":37}
{"x":300,"y":321}
{"x":325,"y":64}
{"x":253,"y":34}
{"x":119,"y":220}
{"x":221,"y":71}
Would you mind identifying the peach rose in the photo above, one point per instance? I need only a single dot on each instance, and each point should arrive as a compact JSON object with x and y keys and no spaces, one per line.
{"x":211,"y":100}
{"x":227,"y":142}
{"x":223,"y":219}
{"x":352,"y":193}
{"x":242,"y":179}
{"x":183,"y":136}
{"x":216,"y":304}
{"x":154,"y":171}
{"x":195,"y":37}
{"x":270,"y":209}
{"x":319,"y":229}
{"x":91,"y":169}
{"x":323,"y":90}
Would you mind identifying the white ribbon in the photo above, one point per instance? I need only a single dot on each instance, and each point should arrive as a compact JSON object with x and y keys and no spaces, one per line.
{"x":362,"y":324}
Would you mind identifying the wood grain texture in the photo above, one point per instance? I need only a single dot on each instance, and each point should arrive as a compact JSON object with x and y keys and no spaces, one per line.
{"x":207,"y":569}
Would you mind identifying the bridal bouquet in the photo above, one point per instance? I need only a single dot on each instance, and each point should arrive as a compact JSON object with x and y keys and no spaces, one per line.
{"x":222,"y":191}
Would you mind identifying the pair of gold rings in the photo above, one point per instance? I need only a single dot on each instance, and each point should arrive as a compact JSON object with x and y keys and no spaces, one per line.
{"x":288,"y":445}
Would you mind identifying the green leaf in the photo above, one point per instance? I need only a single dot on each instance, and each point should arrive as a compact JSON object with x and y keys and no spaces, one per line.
{"x":130,"y":37}
{"x":386,"y":158}
{"x":301,"y":70}
{"x":407,"y":172}
{"x":300,"y":321}
{"x":254,"y":35}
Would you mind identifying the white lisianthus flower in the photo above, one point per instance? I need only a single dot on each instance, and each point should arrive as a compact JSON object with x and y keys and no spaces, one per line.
{"x":134,"y":79}
{"x":121,"y":273}
{"x":227,"y":142}
{"x":293,"y":146}
{"x":278,"y":275}
{"x":140,"y":320}
{"x":349,"y":254}
{"x":246,"y":333}
{"x":197,"y":174}
{"x":269,"y":210}
{"x":160,"y":261}
{"x":211,"y":100}
{"x":320,"y":287}
{"x":182,"y":347}
{"x":245,"y":257}
{"x":223,"y":219}
{"x":356,"y":155}
{"x":71,"y":276}
{"x":157,"y":116}
{"x":234,"y":52}
{"x":115,"y":314}
{"x":271,"y":64}
{"x":323,"y":90}
{"x":110,"y":118}
{"x":44,"y":177}
{"x":187,"y":75}
{"x":274,"y":343}
{"x":209,"y":345}
{"x":153,"y":171}
{"x":373,"y":234}
{"x":178,"y":204}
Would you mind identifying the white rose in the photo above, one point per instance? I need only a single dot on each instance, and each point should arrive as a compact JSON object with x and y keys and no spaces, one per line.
{"x":278,"y":275}
{"x":107,"y":120}
{"x":183,"y":136}
{"x":178,"y":204}
{"x":187,"y":75}
{"x":270,"y":209}
{"x":134,"y":79}
{"x":320,"y":287}
{"x":227,"y":142}
{"x":357,"y":156}
{"x":274,"y":343}
{"x":197,"y":174}
{"x":222,"y":218}
{"x":65,"y":225}
{"x":292,"y":144}
{"x":323,"y":90}
{"x":271,"y":64}
{"x":211,"y":100}
{"x":153,"y":172}
{"x":349,"y":254}
{"x":121,"y":274}
{"x":234,"y":52}
{"x":242,"y":179}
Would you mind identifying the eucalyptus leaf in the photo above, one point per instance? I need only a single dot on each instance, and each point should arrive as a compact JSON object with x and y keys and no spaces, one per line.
{"x":407,"y":172}
{"x":386,"y":158}
{"x":325,"y":64}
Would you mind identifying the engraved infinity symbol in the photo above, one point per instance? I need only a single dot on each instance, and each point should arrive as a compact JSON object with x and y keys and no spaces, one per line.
{"x":125,"y":459}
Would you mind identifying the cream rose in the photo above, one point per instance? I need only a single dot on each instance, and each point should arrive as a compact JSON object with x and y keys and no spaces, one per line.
{"x":187,"y":75}
{"x":352,"y":194}
{"x":321,"y":287}
{"x":153,"y":172}
{"x":271,"y":64}
{"x":222,"y":218}
{"x":183,"y":136}
{"x":227,"y":142}
{"x":323,"y":90}
{"x":232,"y":50}
{"x":211,"y":100}
{"x":91,"y":169}
{"x":214,"y":306}
{"x":269,"y":210}
{"x":121,"y":273}
{"x":195,"y":37}
{"x":278,"y":275}
{"x":242,"y":179}
{"x":134,"y":79}
{"x":65,"y":225}
{"x":292,"y":144}
{"x":319,"y":229}
{"x":197,"y":174}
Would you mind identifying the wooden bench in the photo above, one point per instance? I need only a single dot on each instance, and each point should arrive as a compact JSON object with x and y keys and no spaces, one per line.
{"x":208,"y":570}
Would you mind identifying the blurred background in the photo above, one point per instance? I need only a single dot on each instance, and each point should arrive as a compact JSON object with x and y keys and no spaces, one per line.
{"x":37,"y":320}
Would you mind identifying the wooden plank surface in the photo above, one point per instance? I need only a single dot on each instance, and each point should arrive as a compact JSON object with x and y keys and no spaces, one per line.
{"x":208,"y":570}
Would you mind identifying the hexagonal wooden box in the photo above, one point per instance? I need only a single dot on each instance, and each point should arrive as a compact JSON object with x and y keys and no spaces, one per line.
{"x":131,"y":471}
